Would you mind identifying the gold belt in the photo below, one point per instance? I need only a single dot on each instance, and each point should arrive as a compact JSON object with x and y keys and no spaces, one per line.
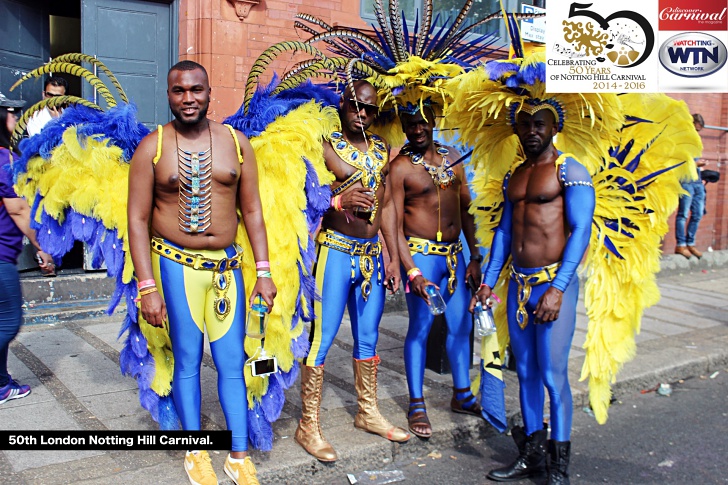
{"x":221,"y":270}
{"x":450,"y":250}
{"x":525,"y":283}
{"x":366,"y":252}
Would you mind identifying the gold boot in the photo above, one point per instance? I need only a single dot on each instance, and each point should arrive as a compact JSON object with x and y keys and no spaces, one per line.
{"x":308,"y":434}
{"x":368,"y":418}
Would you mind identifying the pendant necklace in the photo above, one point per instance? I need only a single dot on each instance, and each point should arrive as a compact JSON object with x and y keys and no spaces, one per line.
{"x":442,"y":176}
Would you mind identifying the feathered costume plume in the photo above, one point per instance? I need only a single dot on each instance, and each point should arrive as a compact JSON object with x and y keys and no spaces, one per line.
{"x":636,"y":147}
{"x":407,"y":69}
{"x":95,"y":146}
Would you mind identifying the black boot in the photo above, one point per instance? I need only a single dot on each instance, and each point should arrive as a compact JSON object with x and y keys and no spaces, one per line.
{"x":559,"y":462}
{"x":531,"y":461}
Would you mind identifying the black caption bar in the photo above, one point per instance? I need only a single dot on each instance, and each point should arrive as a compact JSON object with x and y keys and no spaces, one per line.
{"x":115,"y":440}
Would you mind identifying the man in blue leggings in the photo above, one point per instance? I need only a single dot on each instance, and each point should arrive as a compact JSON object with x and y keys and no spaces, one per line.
{"x":183,"y":197}
{"x":349,"y":269}
{"x":432,"y":200}
{"x":545,"y":227}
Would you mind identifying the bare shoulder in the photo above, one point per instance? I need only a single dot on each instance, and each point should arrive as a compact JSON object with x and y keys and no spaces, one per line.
{"x":454,"y":152}
{"x":400,"y":163}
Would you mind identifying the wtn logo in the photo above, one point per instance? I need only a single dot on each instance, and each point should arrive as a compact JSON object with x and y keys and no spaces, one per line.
{"x":692,"y":54}
{"x":700,"y":55}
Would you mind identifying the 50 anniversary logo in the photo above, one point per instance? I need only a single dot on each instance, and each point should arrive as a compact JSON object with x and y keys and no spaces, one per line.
{"x":602,"y":46}
{"x":626,"y":37}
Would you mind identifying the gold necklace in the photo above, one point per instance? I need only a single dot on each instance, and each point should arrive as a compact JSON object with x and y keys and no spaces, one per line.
{"x":442,"y":176}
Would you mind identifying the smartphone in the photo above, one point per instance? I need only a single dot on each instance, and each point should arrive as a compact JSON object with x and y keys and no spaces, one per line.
{"x":263,"y":367}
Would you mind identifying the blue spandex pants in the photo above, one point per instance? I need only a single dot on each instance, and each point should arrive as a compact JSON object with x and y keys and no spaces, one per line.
{"x":339,"y":290}
{"x":189,"y":296}
{"x":542,"y":358}
{"x":459,"y":323}
{"x":11,"y":314}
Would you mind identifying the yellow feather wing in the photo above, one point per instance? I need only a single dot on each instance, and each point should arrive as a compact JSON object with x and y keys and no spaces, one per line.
{"x":282,"y":177}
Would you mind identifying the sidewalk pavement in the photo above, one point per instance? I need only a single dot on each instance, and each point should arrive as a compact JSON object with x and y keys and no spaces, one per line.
{"x":72,"y":367}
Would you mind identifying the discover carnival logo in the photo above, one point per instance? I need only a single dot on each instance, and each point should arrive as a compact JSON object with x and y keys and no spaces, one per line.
{"x":672,"y":18}
{"x":693,"y":54}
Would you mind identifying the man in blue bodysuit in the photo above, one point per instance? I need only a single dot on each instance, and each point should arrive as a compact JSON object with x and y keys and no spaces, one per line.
{"x":183,"y":196}
{"x":425,"y":183}
{"x":349,"y":268}
{"x":545,"y":227}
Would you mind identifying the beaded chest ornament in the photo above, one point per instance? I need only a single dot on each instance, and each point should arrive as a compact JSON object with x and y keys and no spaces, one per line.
{"x":195,"y":191}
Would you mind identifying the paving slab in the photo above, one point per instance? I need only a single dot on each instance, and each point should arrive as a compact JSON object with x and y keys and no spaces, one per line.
{"x":685,"y":334}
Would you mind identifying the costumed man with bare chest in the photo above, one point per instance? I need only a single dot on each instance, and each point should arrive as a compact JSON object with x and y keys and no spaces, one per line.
{"x":432,"y":200}
{"x":545,"y":227}
{"x":349,"y":270}
{"x":186,"y":182}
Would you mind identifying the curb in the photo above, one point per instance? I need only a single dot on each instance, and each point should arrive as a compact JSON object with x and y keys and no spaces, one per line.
{"x":665,"y":360}
{"x":672,"y":264}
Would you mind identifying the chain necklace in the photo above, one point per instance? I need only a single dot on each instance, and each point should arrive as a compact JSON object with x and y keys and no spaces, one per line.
{"x":442,"y":176}
{"x":195,"y":188}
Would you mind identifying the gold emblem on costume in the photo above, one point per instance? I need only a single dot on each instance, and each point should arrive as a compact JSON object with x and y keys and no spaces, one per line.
{"x":368,"y":164}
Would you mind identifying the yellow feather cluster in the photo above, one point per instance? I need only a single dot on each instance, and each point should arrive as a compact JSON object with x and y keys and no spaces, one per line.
{"x":412,"y":83}
{"x":160,"y":347}
{"x":618,"y":290}
{"x":282,"y":176}
{"x":90,"y":176}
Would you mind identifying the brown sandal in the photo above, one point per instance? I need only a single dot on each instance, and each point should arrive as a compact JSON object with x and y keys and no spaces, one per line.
{"x":417,"y":416}
{"x":457,"y":405}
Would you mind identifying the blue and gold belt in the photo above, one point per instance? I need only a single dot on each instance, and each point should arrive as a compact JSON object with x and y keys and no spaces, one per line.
{"x":221,"y":270}
{"x":449,"y":250}
{"x":366,"y":251}
{"x":525,"y":283}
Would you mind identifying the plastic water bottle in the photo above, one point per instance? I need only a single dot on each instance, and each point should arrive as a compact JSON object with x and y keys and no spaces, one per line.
{"x":257,"y":317}
{"x":484,"y":322}
{"x":437,"y":304}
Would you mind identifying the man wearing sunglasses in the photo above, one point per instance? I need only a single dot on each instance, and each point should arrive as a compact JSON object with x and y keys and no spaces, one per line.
{"x":52,"y":87}
{"x":350,"y":269}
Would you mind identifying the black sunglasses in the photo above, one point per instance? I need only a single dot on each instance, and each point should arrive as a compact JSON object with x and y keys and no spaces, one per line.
{"x":51,"y":95}
{"x":356,"y":106}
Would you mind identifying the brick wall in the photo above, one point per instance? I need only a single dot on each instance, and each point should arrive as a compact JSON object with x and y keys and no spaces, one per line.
{"x":713,"y":228}
{"x":213,"y":35}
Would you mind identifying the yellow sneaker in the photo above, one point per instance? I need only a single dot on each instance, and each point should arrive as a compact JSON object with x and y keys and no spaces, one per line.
{"x":199,"y":468}
{"x":241,"y":473}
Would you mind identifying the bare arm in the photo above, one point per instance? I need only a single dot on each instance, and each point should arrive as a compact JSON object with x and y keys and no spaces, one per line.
{"x":390,"y":234}
{"x":397,"y":180}
{"x":252,"y":211}
{"x":139,"y":215}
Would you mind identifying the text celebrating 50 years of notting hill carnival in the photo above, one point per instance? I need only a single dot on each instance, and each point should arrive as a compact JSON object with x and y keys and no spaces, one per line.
{"x":619,"y":46}
{"x":115,"y":440}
